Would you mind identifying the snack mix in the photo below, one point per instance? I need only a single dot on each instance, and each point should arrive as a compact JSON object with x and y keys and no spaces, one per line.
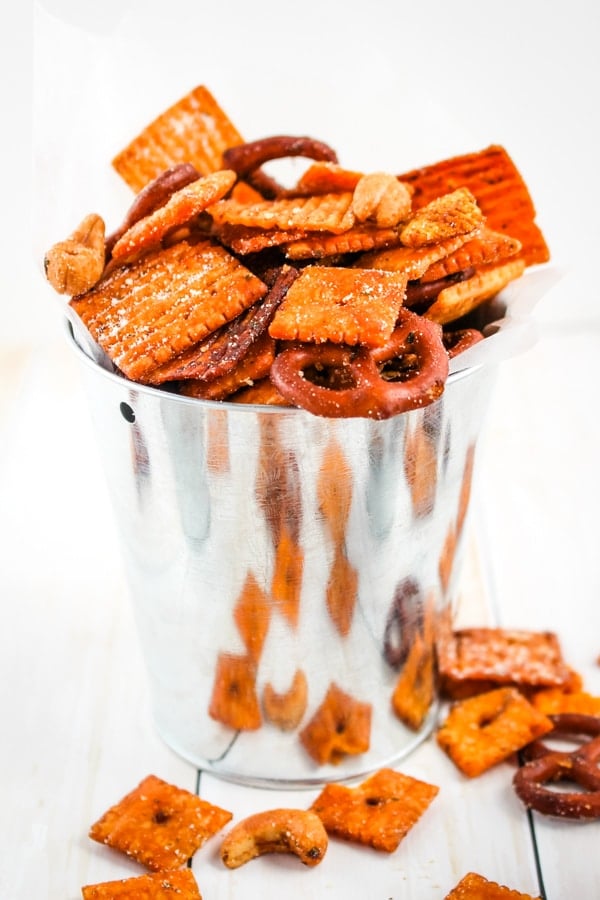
{"x":345,"y":294}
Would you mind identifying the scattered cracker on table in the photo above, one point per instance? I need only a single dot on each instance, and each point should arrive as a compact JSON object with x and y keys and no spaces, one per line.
{"x":159,"y":825}
{"x":484,"y":730}
{"x":472,"y":658}
{"x":377,"y":813}
{"x":179,"y":884}
{"x":476,"y":887}
{"x":341,"y":726}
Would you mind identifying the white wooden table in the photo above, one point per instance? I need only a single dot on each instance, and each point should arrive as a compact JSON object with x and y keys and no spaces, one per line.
{"x":76,"y":726}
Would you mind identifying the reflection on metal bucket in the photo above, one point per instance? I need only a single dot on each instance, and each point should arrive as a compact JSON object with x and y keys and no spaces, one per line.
{"x":288,"y":571}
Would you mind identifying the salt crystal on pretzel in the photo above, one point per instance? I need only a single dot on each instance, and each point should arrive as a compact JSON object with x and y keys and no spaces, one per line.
{"x":176,"y":885}
{"x":150,"y":312}
{"x":378,"y":813}
{"x":460,"y":298}
{"x":476,"y":887}
{"x":158,"y":824}
{"x":325,"y":212}
{"x":501,"y":193}
{"x":444,"y":217}
{"x":470,"y":657}
{"x":484,"y":248}
{"x":194,"y":130}
{"x":181,"y":208}
{"x":482,"y":731}
{"x":340,"y":305}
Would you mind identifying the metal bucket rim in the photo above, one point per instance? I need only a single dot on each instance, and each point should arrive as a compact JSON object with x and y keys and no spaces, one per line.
{"x":196,"y":402}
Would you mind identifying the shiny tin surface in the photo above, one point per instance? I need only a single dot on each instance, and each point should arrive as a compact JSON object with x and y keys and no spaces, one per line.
{"x":262,"y":542}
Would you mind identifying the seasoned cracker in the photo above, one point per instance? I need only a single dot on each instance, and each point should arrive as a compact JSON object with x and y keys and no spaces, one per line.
{"x":485,"y":248}
{"x":482,"y":731}
{"x":379,"y":812}
{"x":150,"y":312}
{"x":344,"y":306}
{"x":324,"y":212}
{"x":234,"y":701}
{"x":491,"y":175}
{"x":326,"y":178}
{"x":553,"y":701}
{"x":261,"y":393}
{"x":244,"y":240}
{"x":460,"y":298}
{"x":476,"y":887}
{"x":499,"y":656}
{"x":356,"y":239}
{"x":340,"y":726}
{"x":413,"y":261}
{"x":159,"y":825}
{"x":193,"y":130}
{"x":179,"y":884}
{"x":444,"y":217}
{"x":181,"y":208}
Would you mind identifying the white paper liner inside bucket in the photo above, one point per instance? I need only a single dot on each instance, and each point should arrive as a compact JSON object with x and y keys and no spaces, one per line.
{"x":516,"y":331}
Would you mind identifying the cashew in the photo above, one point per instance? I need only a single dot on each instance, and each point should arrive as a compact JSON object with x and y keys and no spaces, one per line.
{"x":295,"y":831}
{"x":75,"y":265}
{"x":381,"y":198}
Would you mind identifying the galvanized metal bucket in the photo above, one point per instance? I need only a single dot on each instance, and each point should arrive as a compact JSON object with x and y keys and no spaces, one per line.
{"x":288,"y":572}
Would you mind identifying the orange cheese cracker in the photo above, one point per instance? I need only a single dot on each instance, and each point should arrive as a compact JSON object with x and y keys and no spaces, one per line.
{"x":414,"y":261}
{"x":322,"y":212}
{"x":146,"y":314}
{"x":553,"y":701}
{"x":358,"y":238}
{"x":481,"y":731}
{"x":194,"y":129}
{"x":502,"y":195}
{"x":159,"y":825}
{"x":476,"y":887}
{"x":476,"y":658}
{"x":377,"y":813}
{"x":351,"y":306}
{"x":444,"y":217}
{"x":484,"y":248}
{"x":187,"y":202}
{"x":176,"y":885}
{"x":340,"y":726}
{"x":458,"y":299}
